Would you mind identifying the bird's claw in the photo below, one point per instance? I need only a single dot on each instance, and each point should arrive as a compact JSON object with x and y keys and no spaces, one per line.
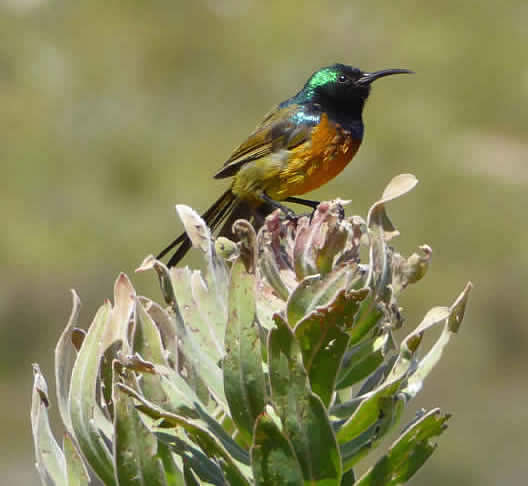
{"x":290,"y":215}
{"x":340,"y":211}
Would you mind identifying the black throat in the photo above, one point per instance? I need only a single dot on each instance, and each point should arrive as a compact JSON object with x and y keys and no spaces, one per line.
{"x":347,"y":115}
{"x":345,"y":112}
{"x":350,"y":119}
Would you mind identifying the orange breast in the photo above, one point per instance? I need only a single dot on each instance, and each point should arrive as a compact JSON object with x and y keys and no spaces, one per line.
{"x":314,"y":163}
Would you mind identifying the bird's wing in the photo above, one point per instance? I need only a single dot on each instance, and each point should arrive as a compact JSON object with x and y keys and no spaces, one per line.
{"x":277,"y":131}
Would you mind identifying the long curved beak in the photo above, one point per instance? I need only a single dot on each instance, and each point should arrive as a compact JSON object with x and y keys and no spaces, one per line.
{"x":367,"y":78}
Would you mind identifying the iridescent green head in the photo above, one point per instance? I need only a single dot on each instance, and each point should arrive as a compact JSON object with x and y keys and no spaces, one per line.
{"x":342,"y":86}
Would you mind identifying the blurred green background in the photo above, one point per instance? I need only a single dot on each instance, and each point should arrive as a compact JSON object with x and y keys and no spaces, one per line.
{"x":112,"y":111}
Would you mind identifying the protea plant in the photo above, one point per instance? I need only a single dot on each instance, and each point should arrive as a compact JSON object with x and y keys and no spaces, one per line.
{"x":278,"y":365}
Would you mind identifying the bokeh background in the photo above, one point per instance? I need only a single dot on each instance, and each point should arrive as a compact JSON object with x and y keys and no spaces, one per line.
{"x":113,"y":111}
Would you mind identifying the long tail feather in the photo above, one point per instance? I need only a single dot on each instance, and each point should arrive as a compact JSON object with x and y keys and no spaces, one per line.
{"x":212,"y":217}
{"x":222,"y":214}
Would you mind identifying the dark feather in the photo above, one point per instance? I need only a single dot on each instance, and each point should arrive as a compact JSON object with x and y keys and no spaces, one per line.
{"x":220,"y":218}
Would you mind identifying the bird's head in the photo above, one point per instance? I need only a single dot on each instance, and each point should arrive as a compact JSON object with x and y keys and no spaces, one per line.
{"x":343,"y":87}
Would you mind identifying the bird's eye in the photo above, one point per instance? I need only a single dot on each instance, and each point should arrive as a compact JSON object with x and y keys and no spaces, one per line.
{"x":342,"y":78}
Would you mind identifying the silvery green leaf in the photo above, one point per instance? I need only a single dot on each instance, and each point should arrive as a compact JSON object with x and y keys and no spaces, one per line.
{"x":452,"y":321}
{"x":173,"y":473}
{"x":314,"y":291}
{"x":83,"y":403}
{"x":114,"y":339}
{"x":244,"y":383}
{"x":323,"y":339}
{"x":381,"y":230}
{"x":50,"y":461}
{"x":301,"y":412}
{"x":408,"y":453}
{"x":200,"y":236}
{"x":148,"y":345}
{"x":363,"y":359}
{"x":76,"y":471}
{"x":135,"y":446}
{"x":65,"y":355}
{"x":272,"y":456}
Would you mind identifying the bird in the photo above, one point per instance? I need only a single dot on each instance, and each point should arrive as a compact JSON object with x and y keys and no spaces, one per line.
{"x":301,"y":144}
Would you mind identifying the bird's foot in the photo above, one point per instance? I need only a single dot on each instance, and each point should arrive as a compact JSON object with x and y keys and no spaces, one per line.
{"x":288,"y":213}
{"x":340,"y":211}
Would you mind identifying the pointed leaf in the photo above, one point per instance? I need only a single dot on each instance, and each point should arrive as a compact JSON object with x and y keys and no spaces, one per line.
{"x":323,"y":340}
{"x":65,"y":355}
{"x":122,"y":310}
{"x":147,"y":339}
{"x":302,"y":413}
{"x":198,"y":469}
{"x":147,"y":344}
{"x":193,"y":316}
{"x":397,"y":187}
{"x":316,"y":291}
{"x":408,"y":453}
{"x":381,"y":230}
{"x":390,"y":410}
{"x":362,"y":360}
{"x":213,"y":315}
{"x":453,"y":319}
{"x":236,"y":452}
{"x":180,"y":397}
{"x":167,"y":290}
{"x":115,"y":336}
{"x":186,"y":356}
{"x":243,"y":375}
{"x":379,"y":376}
{"x":200,"y":236}
{"x":201,"y":371}
{"x":49,"y":457}
{"x":165,"y":324}
{"x":268,"y":304}
{"x":135,"y":446}
{"x":270,"y":269}
{"x":83,"y":399}
{"x":76,"y":471}
{"x":412,"y":341}
{"x":272,"y":456}
{"x":366,"y":319}
{"x":205,"y":460}
{"x":232,"y":475}
{"x":202,"y":432}
{"x":458,"y":309}
{"x":199,"y":354}
{"x":380,"y":409}
{"x":371,"y":405}
{"x":173,"y":474}
{"x":195,"y":227}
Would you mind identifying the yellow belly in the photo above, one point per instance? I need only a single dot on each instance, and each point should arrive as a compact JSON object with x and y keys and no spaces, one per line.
{"x":299,"y":170}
